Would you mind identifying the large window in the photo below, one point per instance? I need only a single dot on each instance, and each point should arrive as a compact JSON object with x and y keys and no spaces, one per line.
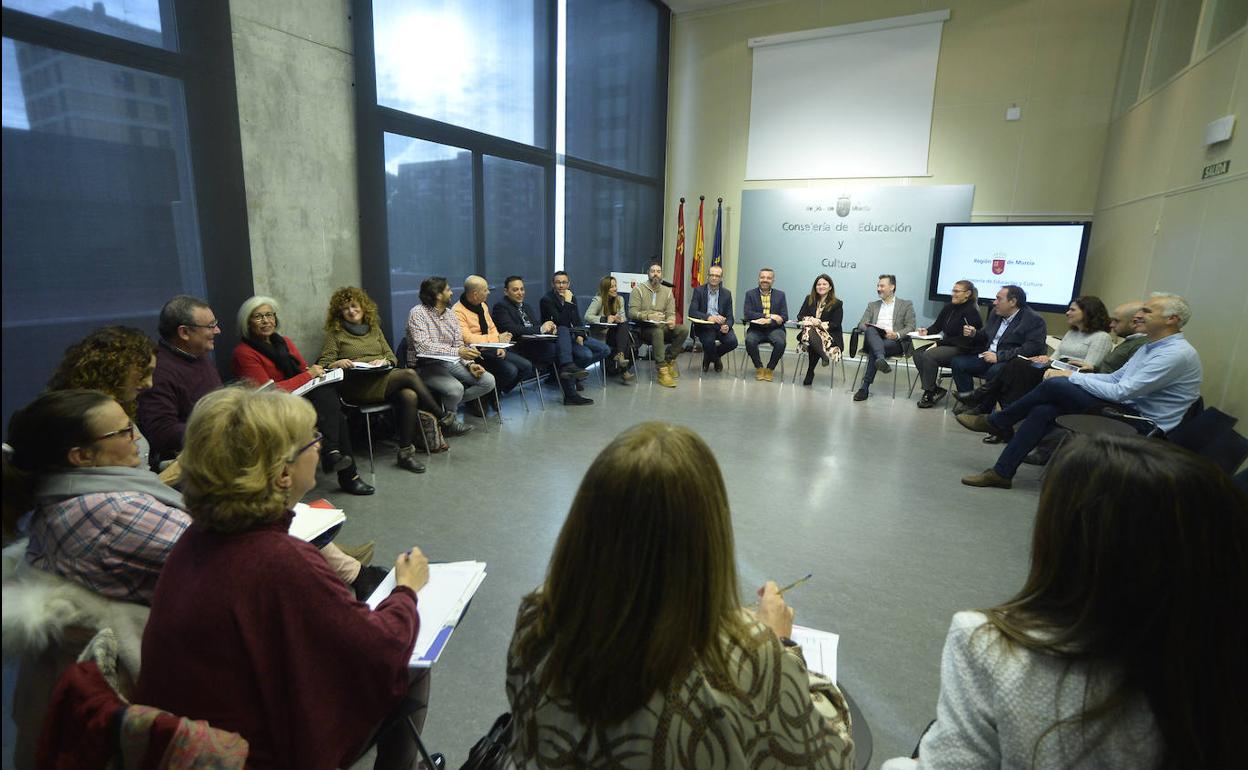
{"x":103,"y":217}
{"x":464,"y":166}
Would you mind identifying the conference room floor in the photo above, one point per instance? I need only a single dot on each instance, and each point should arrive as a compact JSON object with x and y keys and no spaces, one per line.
{"x":863,"y":495}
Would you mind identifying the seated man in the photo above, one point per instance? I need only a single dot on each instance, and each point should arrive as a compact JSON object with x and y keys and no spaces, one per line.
{"x":184,"y":373}
{"x":1122,"y":324}
{"x":433,"y":330}
{"x":507,"y":366}
{"x":559,"y":305}
{"x":653,"y":306}
{"x":517,"y":318}
{"x":766,"y":310}
{"x":884,"y":326}
{"x":1013,"y":329}
{"x":712,"y":302}
{"x":1160,"y":382}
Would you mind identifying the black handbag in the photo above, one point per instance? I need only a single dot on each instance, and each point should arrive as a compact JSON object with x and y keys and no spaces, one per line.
{"x":490,"y":753}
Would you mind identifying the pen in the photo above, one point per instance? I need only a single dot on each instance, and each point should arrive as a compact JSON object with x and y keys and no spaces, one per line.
{"x":796,"y":583}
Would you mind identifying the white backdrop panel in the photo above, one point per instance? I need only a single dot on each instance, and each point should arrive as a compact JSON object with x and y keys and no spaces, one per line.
{"x":849,"y":105}
{"x":853,"y":237}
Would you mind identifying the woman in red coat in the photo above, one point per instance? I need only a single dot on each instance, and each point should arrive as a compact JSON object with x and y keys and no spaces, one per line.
{"x":265,"y":355}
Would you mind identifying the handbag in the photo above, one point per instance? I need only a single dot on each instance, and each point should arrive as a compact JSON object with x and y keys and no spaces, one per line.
{"x":432,"y":430}
{"x":490,"y":752}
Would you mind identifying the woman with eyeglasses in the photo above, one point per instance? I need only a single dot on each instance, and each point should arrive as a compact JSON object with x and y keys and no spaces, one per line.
{"x":278,"y":650}
{"x":265,"y":355}
{"x":957,"y":322}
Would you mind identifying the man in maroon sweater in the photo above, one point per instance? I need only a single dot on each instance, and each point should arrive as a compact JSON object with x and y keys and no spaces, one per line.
{"x":184,"y":374}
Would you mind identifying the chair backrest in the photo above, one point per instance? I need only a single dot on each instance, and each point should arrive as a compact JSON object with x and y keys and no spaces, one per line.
{"x":1053,"y":342}
{"x":401,"y":352}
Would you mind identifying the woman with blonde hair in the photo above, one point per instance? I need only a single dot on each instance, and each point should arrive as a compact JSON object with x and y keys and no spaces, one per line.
{"x":607,"y":307}
{"x":353,"y":335}
{"x":265,"y":355}
{"x":277,"y":649}
{"x":636,"y":652}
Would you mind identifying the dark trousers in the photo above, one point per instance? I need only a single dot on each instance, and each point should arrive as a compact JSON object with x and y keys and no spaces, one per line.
{"x":545,"y":352}
{"x":715,"y":344}
{"x":755,"y":336}
{"x":1016,"y":379}
{"x":617,"y":338}
{"x":1035,"y":414}
{"x":968,"y":366}
{"x":878,"y":348}
{"x":330,"y":420}
{"x":508,"y":369}
{"x":928,"y":361}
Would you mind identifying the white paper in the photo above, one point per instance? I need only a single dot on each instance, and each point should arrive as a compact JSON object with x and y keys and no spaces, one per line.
{"x":819,"y":649}
{"x":440,"y":603}
{"x":917,"y":336}
{"x":492,"y":344}
{"x":369,"y":365}
{"x":435,"y":357}
{"x":333,"y":375}
{"x":310,"y":523}
{"x":541,"y":336}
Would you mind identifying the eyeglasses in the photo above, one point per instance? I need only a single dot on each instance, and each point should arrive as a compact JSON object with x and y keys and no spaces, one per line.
{"x":211,"y":325}
{"x":317,"y":437}
{"x":956,"y":290}
{"x":128,"y":431}
{"x":264,"y":316}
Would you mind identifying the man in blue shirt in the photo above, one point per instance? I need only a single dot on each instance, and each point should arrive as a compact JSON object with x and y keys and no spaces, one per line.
{"x":1160,"y":382}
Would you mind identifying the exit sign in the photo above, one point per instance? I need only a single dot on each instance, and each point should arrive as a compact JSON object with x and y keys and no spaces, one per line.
{"x":1216,"y":169}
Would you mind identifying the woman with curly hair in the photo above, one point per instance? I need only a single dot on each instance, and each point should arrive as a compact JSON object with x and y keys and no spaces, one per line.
{"x":353,"y":335}
{"x":117,"y":360}
{"x":1088,"y":340}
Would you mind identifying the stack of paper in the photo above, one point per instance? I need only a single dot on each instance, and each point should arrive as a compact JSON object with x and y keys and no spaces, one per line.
{"x":499,"y":345}
{"x":436,"y":357}
{"x":819,"y":649}
{"x":312,"y":521}
{"x":440,"y":604}
{"x":364,"y":366}
{"x":333,"y":375}
{"x":917,"y":336}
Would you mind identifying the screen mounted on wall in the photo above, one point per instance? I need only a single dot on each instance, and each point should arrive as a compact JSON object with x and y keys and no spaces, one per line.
{"x":1045,"y":258}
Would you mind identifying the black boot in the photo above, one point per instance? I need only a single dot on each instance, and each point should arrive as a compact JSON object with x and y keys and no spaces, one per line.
{"x":351,"y":482}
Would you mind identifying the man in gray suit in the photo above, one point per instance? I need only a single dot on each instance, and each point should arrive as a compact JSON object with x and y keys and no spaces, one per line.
{"x":884,"y":327}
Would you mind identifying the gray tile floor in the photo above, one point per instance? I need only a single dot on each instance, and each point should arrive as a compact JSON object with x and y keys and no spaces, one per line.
{"x":863,"y":495}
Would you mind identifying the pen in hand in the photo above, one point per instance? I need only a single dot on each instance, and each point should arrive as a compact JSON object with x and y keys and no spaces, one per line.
{"x":789,"y":587}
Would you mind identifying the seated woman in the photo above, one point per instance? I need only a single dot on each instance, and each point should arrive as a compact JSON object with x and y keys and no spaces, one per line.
{"x":1088,"y":340}
{"x":265,"y":355}
{"x":278,"y":651}
{"x":1122,"y":648}
{"x":957,"y":322}
{"x":607,"y":307}
{"x":101,"y":527}
{"x":636,"y":652}
{"x":119,"y":361}
{"x":353,"y":334}
{"x":434,"y":330}
{"x":819,"y":325}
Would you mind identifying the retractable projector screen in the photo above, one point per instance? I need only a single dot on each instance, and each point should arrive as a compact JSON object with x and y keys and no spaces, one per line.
{"x":847,"y":101}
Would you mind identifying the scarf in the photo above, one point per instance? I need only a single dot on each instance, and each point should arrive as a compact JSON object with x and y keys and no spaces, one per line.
{"x":278,"y":352}
{"x":478,"y":309}
{"x":358,"y":330}
{"x":75,"y":482}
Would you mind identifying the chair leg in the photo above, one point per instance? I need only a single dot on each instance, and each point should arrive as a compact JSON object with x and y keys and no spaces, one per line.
{"x":797,"y":368}
{"x":372,"y":466}
{"x":857,"y":372}
{"x":523,"y":400}
{"x":498,"y":407}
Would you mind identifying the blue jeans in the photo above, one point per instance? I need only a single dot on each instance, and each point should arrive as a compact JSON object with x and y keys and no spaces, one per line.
{"x":593,"y":350}
{"x":715,"y":345}
{"x":508,"y":370}
{"x":756,"y":335}
{"x":967,"y":366}
{"x":878,"y":347}
{"x":1037,"y":412}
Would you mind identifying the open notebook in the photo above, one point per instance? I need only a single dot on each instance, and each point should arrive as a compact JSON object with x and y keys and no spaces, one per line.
{"x":440,"y":604}
{"x":819,"y":649}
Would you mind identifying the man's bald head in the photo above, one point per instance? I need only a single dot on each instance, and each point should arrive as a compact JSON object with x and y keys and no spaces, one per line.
{"x":1120,"y":321}
{"x":476,"y":289}
{"x":474,"y":282}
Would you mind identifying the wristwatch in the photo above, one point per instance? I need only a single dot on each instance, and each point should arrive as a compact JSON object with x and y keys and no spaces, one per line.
{"x":787,"y":642}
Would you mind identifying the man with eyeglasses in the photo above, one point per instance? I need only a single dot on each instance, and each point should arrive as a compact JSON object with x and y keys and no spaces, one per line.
{"x":185,"y":372}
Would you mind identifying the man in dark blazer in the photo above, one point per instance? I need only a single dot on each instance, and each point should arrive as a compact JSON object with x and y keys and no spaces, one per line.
{"x":559,"y":305}
{"x":512,"y":314}
{"x":1012,"y":330}
{"x":766,"y":312}
{"x":884,"y":326}
{"x":712,"y":303}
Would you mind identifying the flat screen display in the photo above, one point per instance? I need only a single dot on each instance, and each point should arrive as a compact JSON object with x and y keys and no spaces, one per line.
{"x":1045,"y":258}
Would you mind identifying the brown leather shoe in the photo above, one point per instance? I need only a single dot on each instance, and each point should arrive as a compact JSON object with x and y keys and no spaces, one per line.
{"x":989,"y":478}
{"x":976,"y":422}
{"x":665,"y":377}
{"x":674,"y":369}
{"x":760,"y":374}
{"x":769,"y":375}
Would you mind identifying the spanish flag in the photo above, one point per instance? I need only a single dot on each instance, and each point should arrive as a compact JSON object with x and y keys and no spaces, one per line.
{"x":697,"y":275}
